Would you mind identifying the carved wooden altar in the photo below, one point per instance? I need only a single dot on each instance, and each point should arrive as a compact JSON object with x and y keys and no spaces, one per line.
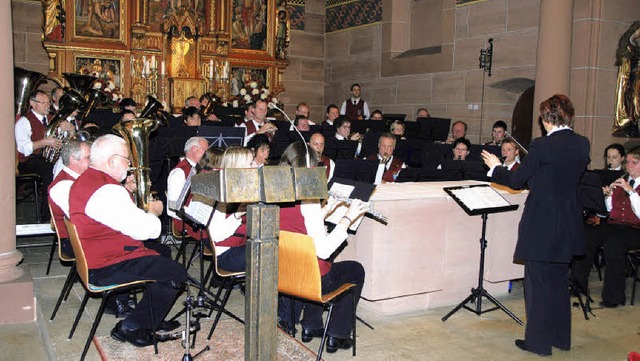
{"x":170,"y":49}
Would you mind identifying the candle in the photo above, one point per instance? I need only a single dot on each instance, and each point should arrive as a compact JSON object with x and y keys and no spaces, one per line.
{"x":154,"y":65}
{"x":144,"y":60}
{"x":162,"y":67}
{"x":146,"y":68}
{"x":226,"y":70}
{"x":211,"y":69}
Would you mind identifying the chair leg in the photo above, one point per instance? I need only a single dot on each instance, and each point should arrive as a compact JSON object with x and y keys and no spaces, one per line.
{"x":292,"y":330}
{"x":635,"y":265}
{"x":193,"y":256}
{"x":73,"y":282}
{"x":153,"y":325}
{"x":82,"y":306}
{"x":63,"y":292}
{"x":218,"y":294}
{"x":94,"y":327}
{"x":324,"y":334}
{"x":353,"y":320}
{"x":54,"y":244}
{"x":36,"y":197}
{"x":221,"y":305}
{"x":182,"y":250}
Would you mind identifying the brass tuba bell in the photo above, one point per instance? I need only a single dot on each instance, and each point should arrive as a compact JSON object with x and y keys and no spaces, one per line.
{"x":70,"y":101}
{"x":25,"y":83}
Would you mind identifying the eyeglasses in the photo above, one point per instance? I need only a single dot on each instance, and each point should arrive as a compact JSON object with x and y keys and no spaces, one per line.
{"x":123,"y":157}
{"x":42,"y":101}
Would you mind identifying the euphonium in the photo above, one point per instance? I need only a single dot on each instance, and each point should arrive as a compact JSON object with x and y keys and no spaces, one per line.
{"x":210,"y":107}
{"x":136,"y":133}
{"x":25,"y":83}
{"x":70,"y":101}
{"x":94,"y":98}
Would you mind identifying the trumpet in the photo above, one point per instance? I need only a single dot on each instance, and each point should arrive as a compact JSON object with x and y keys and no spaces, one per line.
{"x":372,"y":212}
{"x":523,"y":150}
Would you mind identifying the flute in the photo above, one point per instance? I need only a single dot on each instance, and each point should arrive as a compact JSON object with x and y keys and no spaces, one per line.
{"x":377,"y":215}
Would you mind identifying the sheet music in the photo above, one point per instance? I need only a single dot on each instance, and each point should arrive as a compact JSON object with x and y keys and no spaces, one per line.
{"x":198,"y":211}
{"x":335,"y":217}
{"x":480,"y":197}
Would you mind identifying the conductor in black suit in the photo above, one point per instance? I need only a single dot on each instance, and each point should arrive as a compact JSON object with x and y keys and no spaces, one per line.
{"x":551,"y":230}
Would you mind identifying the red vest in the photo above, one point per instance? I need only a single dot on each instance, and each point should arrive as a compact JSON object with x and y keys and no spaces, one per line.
{"x":58,"y":214}
{"x":327,"y":163}
{"x":251,"y":128}
{"x":103,"y":246}
{"x":389,"y":175}
{"x":37,"y":133}
{"x":515,"y":166}
{"x":354,"y":112}
{"x":292,"y":220}
{"x":177,"y":223}
{"x":622,"y":213}
{"x":239,"y":237}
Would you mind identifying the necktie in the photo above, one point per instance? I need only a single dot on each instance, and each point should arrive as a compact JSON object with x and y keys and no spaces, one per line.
{"x":44,"y":121}
{"x":632,"y":182}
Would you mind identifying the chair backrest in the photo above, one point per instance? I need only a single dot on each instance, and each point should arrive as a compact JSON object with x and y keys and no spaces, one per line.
{"x":54,"y":226}
{"x":298,"y":270}
{"x":214,"y":255}
{"x":81,"y":260}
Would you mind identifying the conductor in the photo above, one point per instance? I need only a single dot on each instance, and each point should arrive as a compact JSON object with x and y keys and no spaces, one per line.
{"x":551,"y":229}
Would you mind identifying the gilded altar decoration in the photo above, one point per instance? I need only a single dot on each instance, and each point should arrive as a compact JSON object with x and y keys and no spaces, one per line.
{"x":628,"y":84}
{"x":101,"y":68}
{"x":249,"y":24}
{"x":98,"y":18}
{"x":283,"y":30}
{"x":180,"y":47}
{"x":55,"y":19}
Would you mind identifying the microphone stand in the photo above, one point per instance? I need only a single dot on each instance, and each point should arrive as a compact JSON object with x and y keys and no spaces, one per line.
{"x":308,"y":157}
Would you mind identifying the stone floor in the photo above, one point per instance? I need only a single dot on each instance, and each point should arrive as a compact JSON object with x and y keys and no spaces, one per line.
{"x":611,"y":335}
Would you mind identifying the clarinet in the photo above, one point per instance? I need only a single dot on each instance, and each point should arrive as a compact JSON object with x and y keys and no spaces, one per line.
{"x":377,"y":215}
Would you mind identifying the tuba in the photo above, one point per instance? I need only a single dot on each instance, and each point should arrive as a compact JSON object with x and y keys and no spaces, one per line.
{"x":25,"y":83}
{"x":70,"y":101}
{"x":94,"y":98}
{"x":136,"y":133}
{"x":211,"y":105}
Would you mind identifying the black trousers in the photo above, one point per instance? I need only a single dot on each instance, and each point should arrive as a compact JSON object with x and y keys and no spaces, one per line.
{"x":340,"y":323}
{"x":547,"y":304}
{"x":620,"y":239}
{"x":594,"y":236}
{"x":37,"y":165}
{"x":169,"y":276}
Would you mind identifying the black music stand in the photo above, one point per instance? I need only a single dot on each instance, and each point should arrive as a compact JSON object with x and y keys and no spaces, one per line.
{"x":222,"y":136}
{"x":480,"y":200}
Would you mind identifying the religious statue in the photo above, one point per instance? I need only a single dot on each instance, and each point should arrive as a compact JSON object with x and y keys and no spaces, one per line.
{"x":54,"y":20}
{"x":282,"y":35}
{"x":628,"y":84}
{"x":181,"y":47}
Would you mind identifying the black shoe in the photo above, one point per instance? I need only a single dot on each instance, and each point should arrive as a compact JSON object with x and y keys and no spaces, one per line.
{"x":607,"y":304}
{"x":290,"y":330}
{"x":168,"y":326}
{"x":138,"y":337}
{"x":523,"y":346}
{"x":334,"y":343}
{"x":119,"y":309}
{"x":309,"y":333}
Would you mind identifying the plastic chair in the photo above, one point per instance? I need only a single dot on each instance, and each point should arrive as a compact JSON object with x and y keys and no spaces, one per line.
{"x":103,"y":291}
{"x":71,"y":276}
{"x":299,"y":277}
{"x":229,"y":279}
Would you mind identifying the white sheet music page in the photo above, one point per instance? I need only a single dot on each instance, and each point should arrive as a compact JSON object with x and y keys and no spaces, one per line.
{"x":480,"y":198}
{"x":335,"y":217}
{"x":199,"y":211}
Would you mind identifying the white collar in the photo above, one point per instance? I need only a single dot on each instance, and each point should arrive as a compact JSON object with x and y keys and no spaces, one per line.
{"x":558,"y":128}
{"x":71,"y":172}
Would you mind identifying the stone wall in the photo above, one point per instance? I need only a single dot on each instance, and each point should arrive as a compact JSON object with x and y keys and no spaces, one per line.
{"x":445,"y":78}
{"x":304,"y":78}
{"x":27,"y":33}
{"x":597,"y":27}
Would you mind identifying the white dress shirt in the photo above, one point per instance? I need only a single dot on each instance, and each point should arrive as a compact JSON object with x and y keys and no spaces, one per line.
{"x":634,"y":199}
{"x":365,"y":108}
{"x":175,"y":183}
{"x":325,"y":243}
{"x":223,"y":227}
{"x":23,"y":134}
{"x":59,"y":193}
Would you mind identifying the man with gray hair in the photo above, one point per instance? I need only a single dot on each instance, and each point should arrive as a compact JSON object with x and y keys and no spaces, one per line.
{"x":111,"y":230}
{"x":194,"y":149}
{"x":75,"y":158}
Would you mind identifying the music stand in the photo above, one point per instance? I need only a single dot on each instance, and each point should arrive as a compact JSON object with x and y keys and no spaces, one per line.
{"x":436,"y":129}
{"x":356,"y":169}
{"x":480,"y":200}
{"x":222,"y":136}
{"x":340,"y":149}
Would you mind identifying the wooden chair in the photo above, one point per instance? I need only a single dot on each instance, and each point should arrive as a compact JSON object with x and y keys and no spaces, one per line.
{"x":299,"y":277}
{"x":65,"y":258}
{"x":229,"y":279}
{"x":633,"y":257}
{"x":103,"y":291}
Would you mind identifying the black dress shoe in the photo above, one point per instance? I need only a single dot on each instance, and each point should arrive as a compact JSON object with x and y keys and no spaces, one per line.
{"x":309,"y":333}
{"x":138,"y":337}
{"x":334,"y":343}
{"x":290,"y":330}
{"x":118,"y":308}
{"x":523,"y":346}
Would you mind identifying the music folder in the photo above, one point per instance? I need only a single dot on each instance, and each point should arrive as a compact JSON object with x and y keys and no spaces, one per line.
{"x":479,"y":199}
{"x":350,"y":189}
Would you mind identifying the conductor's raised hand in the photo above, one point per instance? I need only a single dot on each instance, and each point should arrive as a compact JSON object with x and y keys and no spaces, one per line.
{"x":491,"y":160}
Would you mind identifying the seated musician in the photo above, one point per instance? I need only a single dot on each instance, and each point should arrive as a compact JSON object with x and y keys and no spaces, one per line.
{"x":259,"y":146}
{"x":308,"y":218}
{"x":511,"y":153}
{"x":228,"y":226}
{"x":623,"y":230}
{"x":30,"y":134}
{"x":111,"y":229}
{"x":460,"y":150}
{"x":390,"y":166}
{"x":458,"y":130}
{"x":191,"y":117}
{"x":194,"y":149}
{"x":397,"y":129}
{"x":316,"y":142}
{"x":376,"y":115}
{"x":75,"y":158}
{"x":210,"y":160}
{"x":498,"y":133}
{"x":343,"y":132}
{"x":301,"y":122}
{"x":204,"y":102}
{"x":614,"y":156}
{"x":333,"y":112}
{"x":258,"y":124}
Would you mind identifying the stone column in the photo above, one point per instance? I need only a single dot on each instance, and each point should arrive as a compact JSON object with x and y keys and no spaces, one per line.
{"x":553,"y":60}
{"x":16,"y":286}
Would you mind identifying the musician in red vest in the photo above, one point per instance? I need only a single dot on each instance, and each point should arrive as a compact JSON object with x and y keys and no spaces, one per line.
{"x":308,"y":218}
{"x":75,"y":157}
{"x":111,"y":230}
{"x":30,"y":131}
{"x":228,"y":228}
{"x":194,"y":149}
{"x":258,"y":124}
{"x":510,"y":153}
{"x":355,"y":108}
{"x":316,"y":142}
{"x":623,"y":230}
{"x":389,"y":166}
{"x":333,"y":112}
